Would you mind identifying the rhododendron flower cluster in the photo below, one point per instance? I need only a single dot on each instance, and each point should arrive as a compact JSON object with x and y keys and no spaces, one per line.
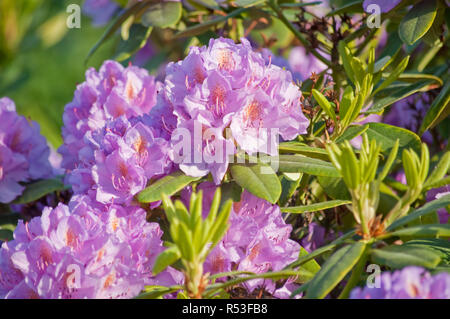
{"x":83,"y":250}
{"x":23,"y":152}
{"x":409,"y":283}
{"x":111,"y":92}
{"x":119,"y":159}
{"x":111,"y":149}
{"x":228,"y":85}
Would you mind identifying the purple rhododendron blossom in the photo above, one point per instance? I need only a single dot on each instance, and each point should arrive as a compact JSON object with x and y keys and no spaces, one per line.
{"x":227,"y":85}
{"x":317,"y":237}
{"x":112,"y":92}
{"x":409,"y":113}
{"x":409,"y":283}
{"x":100,"y":11}
{"x":117,"y":161}
{"x":84,"y":250}
{"x":385,"y":5}
{"x":302,"y":63}
{"x":24,"y":154}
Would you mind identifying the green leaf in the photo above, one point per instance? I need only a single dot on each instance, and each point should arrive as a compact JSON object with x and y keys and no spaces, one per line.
{"x":417,"y":21}
{"x":324,"y":104}
{"x":394,"y":75}
{"x":348,"y":7}
{"x":115,"y":26}
{"x":39,"y":189}
{"x":347,"y":102}
{"x":288,"y":187}
{"x":6,"y":235}
{"x":422,"y":211}
{"x":138,"y":36}
{"x":440,"y":246}
{"x":156,"y":292}
{"x":303,"y":149}
{"x":422,"y":231}
{"x":247,"y":3}
{"x":414,"y":77}
{"x":382,"y":63}
{"x":8,"y":220}
{"x":312,"y":266}
{"x":439,"y":171}
{"x":168,"y":185}
{"x":351,"y":132}
{"x":322,"y":250}
{"x":162,"y":14}
{"x":165,"y":259}
{"x":401,"y":256}
{"x":315,"y":207}
{"x":202,"y":27}
{"x":334,"y":187}
{"x":334,"y":270}
{"x":387,"y":136}
{"x":201,"y":4}
{"x":439,"y":110}
{"x":397,"y":93}
{"x":302,"y":164}
{"x":258,"y":179}
{"x":230,"y":191}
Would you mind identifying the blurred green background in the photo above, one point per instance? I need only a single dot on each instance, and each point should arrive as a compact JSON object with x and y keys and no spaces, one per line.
{"x":42,"y":60}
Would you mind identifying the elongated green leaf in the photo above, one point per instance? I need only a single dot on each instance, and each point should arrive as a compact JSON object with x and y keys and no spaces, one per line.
{"x":346,"y":103}
{"x":162,"y":14}
{"x":201,"y":4}
{"x":258,"y":179}
{"x":38,"y":189}
{"x":288,"y":187}
{"x":320,"y":251}
{"x":168,"y":185}
{"x":422,"y":211}
{"x":156,"y":292}
{"x":324,"y":104}
{"x":405,"y":255}
{"x":439,"y":171}
{"x":423,"y":231}
{"x":382,"y":63}
{"x":300,"y":148}
{"x":334,"y":270}
{"x":248,"y":3}
{"x":302,"y":164}
{"x":439,"y":183}
{"x":312,"y":266}
{"x":398,"y":93}
{"x":116,"y":25}
{"x":202,"y":27}
{"x":394,"y":75}
{"x":414,"y":77}
{"x":387,"y":136}
{"x":315,"y":207}
{"x":439,"y":109}
{"x":351,"y":132}
{"x":137,"y":39}
{"x":334,"y":187}
{"x":165,"y":259}
{"x":440,"y":246}
{"x":348,"y":7}
{"x":417,"y":21}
